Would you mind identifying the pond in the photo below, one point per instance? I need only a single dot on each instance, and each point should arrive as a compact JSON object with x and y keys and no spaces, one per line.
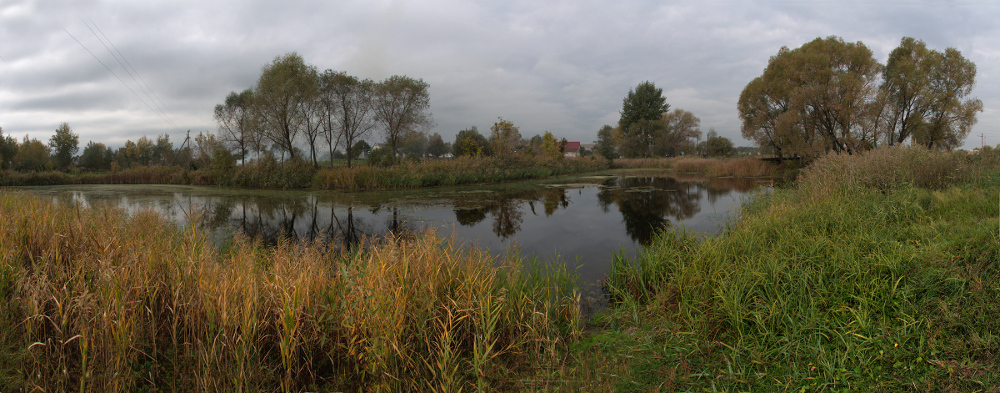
{"x":581,"y":220}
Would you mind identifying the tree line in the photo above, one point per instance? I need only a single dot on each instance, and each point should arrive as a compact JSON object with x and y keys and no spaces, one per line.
{"x":831,"y":95}
{"x":292,"y":104}
{"x":648,"y":128}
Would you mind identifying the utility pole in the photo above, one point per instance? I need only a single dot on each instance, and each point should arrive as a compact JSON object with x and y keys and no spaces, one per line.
{"x":983,"y":137}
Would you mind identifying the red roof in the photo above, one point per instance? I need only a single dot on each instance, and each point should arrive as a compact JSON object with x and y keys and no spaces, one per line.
{"x":572,"y":147}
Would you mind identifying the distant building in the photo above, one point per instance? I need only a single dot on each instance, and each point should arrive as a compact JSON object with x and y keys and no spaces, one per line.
{"x":572,"y":149}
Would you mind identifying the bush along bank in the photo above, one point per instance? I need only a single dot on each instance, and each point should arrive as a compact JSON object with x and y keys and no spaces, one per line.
{"x":98,"y":299}
{"x":875,"y":272}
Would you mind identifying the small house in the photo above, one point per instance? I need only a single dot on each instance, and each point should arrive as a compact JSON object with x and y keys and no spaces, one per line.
{"x":571,"y":149}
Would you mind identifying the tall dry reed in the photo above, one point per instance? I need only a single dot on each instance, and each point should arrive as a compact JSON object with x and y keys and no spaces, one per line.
{"x":96,"y":299}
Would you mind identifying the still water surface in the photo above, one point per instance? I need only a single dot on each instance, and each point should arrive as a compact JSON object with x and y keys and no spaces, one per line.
{"x":584,"y":220}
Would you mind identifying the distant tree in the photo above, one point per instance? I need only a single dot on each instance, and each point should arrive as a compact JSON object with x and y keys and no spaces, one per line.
{"x":401,"y":105}
{"x":96,"y":156}
{"x":470,"y":142}
{"x":33,"y":155}
{"x":926,"y":94}
{"x":235,"y":121}
{"x":717,"y":146}
{"x":359,"y":148}
{"x":641,"y":115}
{"x":535,"y":145}
{"x":8,"y":151}
{"x":284,"y":87}
{"x":64,"y":145}
{"x":163,"y":151}
{"x":312,"y":113}
{"x":645,"y":102}
{"x":348,"y":108}
{"x":550,"y":146}
{"x":680,"y":127}
{"x":145,"y":150}
{"x":436,"y":146}
{"x":414,"y":144}
{"x":605,"y":142}
{"x":504,"y":138}
{"x":207,"y":152}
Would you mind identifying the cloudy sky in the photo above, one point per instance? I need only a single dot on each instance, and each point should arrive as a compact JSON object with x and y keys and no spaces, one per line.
{"x":561,"y":66}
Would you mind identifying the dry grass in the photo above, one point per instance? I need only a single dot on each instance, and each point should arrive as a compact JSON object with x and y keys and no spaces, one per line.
{"x":889,"y":168}
{"x":100,"y":300}
{"x":712,"y":167}
{"x":457,"y":171}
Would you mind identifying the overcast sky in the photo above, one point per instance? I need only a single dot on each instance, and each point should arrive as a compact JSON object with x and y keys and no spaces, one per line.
{"x":561,"y":66}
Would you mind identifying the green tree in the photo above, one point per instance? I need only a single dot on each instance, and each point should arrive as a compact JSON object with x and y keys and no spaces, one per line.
{"x":358,"y":148}
{"x":64,"y":144}
{"x":8,"y":151}
{"x":645,"y":102}
{"x":401,"y":105}
{"x":642,"y":119}
{"x":163,"y":151}
{"x":717,"y":146}
{"x":436,"y":147}
{"x":33,"y":155}
{"x":285,"y":86}
{"x":605,"y":142}
{"x":504,"y":138}
{"x":817,"y":97}
{"x":927,"y":95}
{"x":470,"y":142}
{"x":96,"y":156}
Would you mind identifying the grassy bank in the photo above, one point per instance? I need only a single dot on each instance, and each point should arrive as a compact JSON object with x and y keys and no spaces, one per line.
{"x":876,"y":272}
{"x":101,"y":300}
{"x":268,"y":173}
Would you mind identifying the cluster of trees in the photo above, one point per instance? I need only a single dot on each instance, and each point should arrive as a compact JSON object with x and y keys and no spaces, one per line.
{"x":33,"y":155}
{"x":505,"y":141}
{"x":831,"y":95}
{"x":648,"y":128}
{"x":293,"y":105}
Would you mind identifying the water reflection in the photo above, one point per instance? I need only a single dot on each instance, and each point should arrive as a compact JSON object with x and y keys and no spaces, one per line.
{"x":586,"y":222}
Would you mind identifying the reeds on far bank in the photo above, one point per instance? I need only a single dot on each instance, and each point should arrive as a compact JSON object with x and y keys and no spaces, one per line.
{"x":456,"y":171}
{"x":711,"y":167}
{"x":102,"y":300}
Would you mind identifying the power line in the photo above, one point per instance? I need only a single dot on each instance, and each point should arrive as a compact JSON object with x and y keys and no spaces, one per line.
{"x":157,"y":107}
{"x":162,"y":117}
{"x":144,"y":87}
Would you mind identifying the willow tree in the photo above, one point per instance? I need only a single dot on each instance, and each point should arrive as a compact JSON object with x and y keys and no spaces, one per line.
{"x":680,"y":127}
{"x":235,"y":120}
{"x":815,"y":97}
{"x":400,"y":106}
{"x":285,"y":87}
{"x":926,"y":93}
{"x":348,"y":109}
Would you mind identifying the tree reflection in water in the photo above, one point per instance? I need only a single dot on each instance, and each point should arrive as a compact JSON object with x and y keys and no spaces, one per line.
{"x":647,"y":203}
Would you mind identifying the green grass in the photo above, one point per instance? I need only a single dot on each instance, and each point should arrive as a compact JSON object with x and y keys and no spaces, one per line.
{"x":849,"y":281}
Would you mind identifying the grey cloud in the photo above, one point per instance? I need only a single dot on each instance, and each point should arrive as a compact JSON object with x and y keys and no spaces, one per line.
{"x":561,"y":66}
